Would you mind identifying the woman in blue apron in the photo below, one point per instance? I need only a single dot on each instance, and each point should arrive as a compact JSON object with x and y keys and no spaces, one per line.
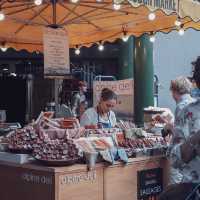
{"x":102,"y":115}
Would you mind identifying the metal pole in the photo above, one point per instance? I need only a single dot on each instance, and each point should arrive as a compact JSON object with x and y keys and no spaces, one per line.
{"x":126,"y":59}
{"x":143,"y":77}
{"x":54,"y":2}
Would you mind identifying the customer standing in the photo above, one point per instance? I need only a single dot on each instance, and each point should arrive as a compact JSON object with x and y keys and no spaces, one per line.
{"x":185,"y":156}
{"x":79,"y":101}
{"x":102,"y":115}
{"x":180,"y":89}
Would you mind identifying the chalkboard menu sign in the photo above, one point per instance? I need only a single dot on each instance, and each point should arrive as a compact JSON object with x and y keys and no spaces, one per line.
{"x":150,"y":183}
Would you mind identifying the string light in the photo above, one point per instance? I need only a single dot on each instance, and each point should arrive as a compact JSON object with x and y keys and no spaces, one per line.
{"x":152,"y":38}
{"x":77,"y":50}
{"x":100,"y":47}
{"x":74,"y":1}
{"x":38,"y":2}
{"x":13,"y":74}
{"x":116,"y":6}
{"x":125,"y":37}
{"x":2,"y":16}
{"x":181,"y":31}
{"x":3,"y":47}
{"x":151,"y":16}
{"x":177,"y":22}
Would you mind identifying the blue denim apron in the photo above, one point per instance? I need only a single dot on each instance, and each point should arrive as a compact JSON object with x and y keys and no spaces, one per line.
{"x":104,"y":124}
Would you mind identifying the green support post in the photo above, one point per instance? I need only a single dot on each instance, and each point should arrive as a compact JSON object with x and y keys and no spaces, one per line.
{"x":143,"y":77}
{"x":126,"y":61}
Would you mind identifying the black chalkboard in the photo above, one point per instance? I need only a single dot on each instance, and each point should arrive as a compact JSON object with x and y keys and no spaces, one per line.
{"x":149,"y":183}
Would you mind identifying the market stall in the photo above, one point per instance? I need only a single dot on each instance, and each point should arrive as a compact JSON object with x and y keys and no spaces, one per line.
{"x":55,"y":158}
{"x":33,"y":181}
{"x":126,"y":154}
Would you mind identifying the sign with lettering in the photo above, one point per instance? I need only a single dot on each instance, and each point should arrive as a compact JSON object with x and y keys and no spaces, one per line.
{"x":36,"y":179}
{"x":150,"y":183}
{"x":121,"y":87}
{"x":78,"y":178}
{"x":56,"y":52}
{"x":183,"y":8}
{"x":125,"y":95}
{"x":168,"y":6}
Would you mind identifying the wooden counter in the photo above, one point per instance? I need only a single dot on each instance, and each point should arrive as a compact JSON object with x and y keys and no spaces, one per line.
{"x":36,"y":182}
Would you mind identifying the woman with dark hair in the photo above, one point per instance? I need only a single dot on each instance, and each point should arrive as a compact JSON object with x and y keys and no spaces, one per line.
{"x":102,"y":115}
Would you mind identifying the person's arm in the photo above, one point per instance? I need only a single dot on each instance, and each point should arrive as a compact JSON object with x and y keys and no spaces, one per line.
{"x":179,"y":138}
{"x":85,"y":119}
{"x":188,"y":148}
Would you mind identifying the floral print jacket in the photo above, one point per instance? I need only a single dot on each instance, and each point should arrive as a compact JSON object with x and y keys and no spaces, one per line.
{"x":188,"y":123}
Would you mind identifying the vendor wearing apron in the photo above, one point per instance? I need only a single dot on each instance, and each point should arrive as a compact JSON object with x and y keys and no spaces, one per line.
{"x":102,"y":115}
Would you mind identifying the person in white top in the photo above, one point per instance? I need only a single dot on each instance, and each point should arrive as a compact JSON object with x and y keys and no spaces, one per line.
{"x":79,"y":101}
{"x":101,"y":116}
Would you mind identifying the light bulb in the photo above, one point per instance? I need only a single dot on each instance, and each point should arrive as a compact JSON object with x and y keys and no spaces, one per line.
{"x":77,"y":51}
{"x":125,"y":38}
{"x":74,"y":1}
{"x":101,"y":47}
{"x":181,"y":32}
{"x":116,"y":6}
{"x":13,"y":74}
{"x":152,"y":38}
{"x":151,"y":16}
{"x":38,"y":2}
{"x":177,"y":23}
{"x":2,"y":16}
{"x":4,"y":49}
{"x":99,"y":0}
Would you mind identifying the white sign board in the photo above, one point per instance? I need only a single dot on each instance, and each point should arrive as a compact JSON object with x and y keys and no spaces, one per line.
{"x":56,"y":52}
{"x":125,"y":95}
